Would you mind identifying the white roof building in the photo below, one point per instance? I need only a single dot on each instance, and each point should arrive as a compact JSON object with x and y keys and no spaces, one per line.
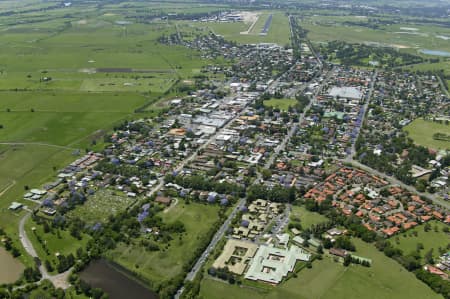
{"x":272,"y":264}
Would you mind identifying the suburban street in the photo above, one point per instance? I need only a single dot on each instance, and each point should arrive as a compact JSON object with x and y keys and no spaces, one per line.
{"x":395,"y":181}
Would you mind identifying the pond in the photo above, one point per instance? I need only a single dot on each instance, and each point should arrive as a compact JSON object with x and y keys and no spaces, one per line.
{"x":435,"y":52}
{"x":10,"y":269}
{"x":102,"y":274}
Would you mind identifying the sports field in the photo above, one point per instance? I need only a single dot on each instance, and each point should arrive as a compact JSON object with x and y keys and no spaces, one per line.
{"x":422,"y":131}
{"x":330,"y":280}
{"x":159,"y":266}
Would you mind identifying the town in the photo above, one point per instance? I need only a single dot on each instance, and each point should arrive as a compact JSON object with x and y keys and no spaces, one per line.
{"x":255,"y":171}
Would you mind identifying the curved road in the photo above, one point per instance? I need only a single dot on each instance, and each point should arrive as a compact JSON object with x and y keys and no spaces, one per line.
{"x":58,"y":280}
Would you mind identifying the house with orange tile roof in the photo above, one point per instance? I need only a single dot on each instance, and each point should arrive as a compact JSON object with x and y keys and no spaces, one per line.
{"x":367,"y":225}
{"x":417,"y":199}
{"x":425,"y":218}
{"x":409,"y":225}
{"x":391,"y":231}
{"x":438,"y":215}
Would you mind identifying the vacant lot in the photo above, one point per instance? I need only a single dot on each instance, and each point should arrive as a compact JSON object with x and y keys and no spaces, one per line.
{"x":159,"y":266}
{"x":307,"y":218}
{"x":422,"y":131}
{"x":330,"y":280}
{"x":282,"y":104}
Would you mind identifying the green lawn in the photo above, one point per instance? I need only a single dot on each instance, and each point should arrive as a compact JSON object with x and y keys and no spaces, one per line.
{"x":163,"y":265}
{"x":430,"y":240}
{"x":330,"y":280}
{"x":422,"y":131}
{"x":307,"y":218}
{"x":282,"y":104}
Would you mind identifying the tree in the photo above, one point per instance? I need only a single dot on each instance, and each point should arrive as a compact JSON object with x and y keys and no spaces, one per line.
{"x":320,"y":249}
{"x":347,"y":260}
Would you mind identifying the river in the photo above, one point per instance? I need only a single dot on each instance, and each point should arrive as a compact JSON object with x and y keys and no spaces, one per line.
{"x":10,"y":268}
{"x":101,"y":274}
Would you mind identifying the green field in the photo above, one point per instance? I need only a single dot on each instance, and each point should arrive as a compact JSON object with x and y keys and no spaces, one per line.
{"x":432,"y":239}
{"x":330,"y":280}
{"x":408,"y":37}
{"x":163,"y":265}
{"x":307,"y":218}
{"x":422,"y":131}
{"x":67,"y":76}
{"x":282,"y":104}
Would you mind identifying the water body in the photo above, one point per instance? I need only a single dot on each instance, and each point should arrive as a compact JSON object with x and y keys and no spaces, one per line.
{"x":10,"y":268}
{"x":435,"y":52}
{"x":101,"y":274}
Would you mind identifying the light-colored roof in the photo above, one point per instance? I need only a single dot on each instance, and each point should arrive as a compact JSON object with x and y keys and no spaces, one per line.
{"x":346,"y":92}
{"x":272,"y":264}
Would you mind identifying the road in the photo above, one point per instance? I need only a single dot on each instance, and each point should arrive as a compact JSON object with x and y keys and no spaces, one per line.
{"x":443,"y":87}
{"x":390,"y":179}
{"x":395,"y":181}
{"x":217,"y":237}
{"x":293,"y":126}
{"x":365,"y":107}
{"x":59,"y":280}
{"x":39,"y":144}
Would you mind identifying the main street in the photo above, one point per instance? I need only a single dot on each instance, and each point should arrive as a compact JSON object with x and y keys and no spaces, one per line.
{"x":221,"y":232}
{"x":365,"y":108}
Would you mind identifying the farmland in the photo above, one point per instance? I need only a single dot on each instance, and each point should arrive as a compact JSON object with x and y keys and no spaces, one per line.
{"x":327,"y":279}
{"x":421,"y":131}
{"x":358,"y":29}
{"x":66,"y":78}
